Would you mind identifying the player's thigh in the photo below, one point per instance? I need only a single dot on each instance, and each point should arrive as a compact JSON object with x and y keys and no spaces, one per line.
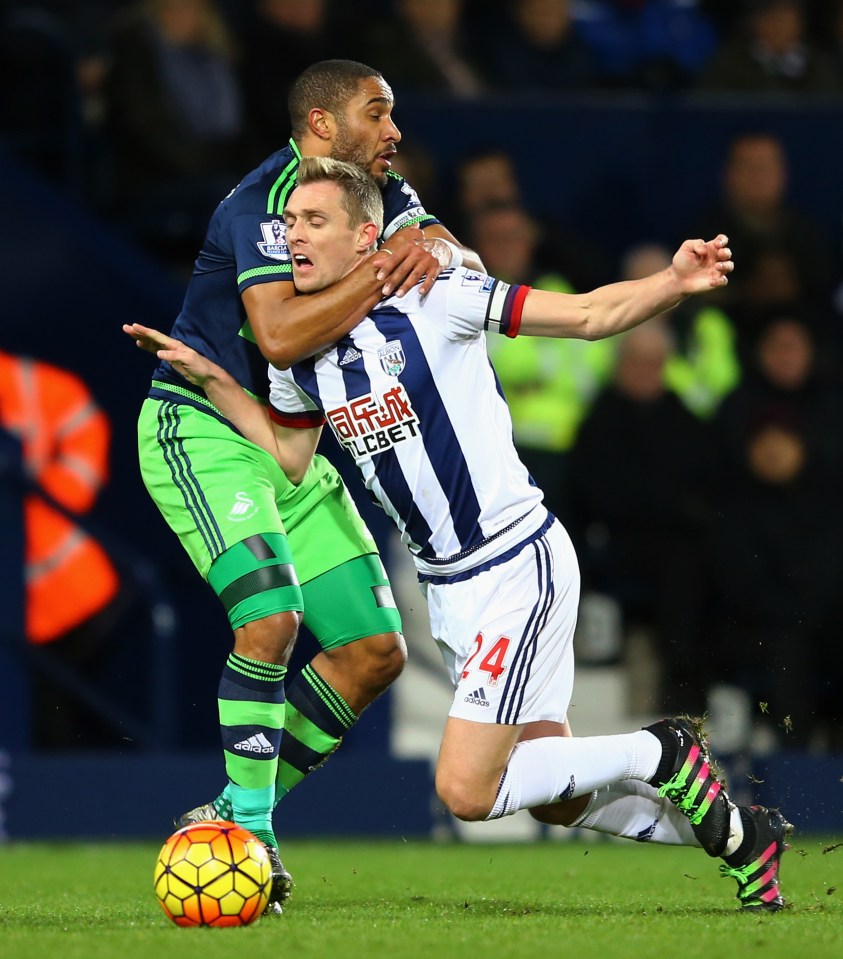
{"x":256,"y":583}
{"x":474,"y":752}
{"x":543,"y":729}
{"x":506,"y":635}
{"x":473,"y":756}
{"x":350,"y":602}
{"x":323,"y":524}
{"x":218,"y":493}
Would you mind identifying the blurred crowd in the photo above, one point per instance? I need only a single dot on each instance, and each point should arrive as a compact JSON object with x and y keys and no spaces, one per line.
{"x":151,"y":108}
{"x":697,"y":461}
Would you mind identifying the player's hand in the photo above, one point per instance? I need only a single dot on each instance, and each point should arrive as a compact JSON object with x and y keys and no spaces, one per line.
{"x":194,"y":367}
{"x":701,"y":266}
{"x":403,"y":261}
{"x":440,"y":249}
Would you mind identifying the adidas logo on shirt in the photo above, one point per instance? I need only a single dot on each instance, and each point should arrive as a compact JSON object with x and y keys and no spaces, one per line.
{"x":351,"y":354}
{"x":478,"y":697}
{"x":255,"y":744}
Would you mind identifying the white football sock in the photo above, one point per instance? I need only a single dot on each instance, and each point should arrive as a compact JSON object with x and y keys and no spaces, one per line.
{"x":542,"y":771}
{"x":634,"y":810}
{"x":735,"y":832}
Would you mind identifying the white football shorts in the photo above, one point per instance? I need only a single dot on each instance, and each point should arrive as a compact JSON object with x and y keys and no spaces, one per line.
{"x":506,"y":634}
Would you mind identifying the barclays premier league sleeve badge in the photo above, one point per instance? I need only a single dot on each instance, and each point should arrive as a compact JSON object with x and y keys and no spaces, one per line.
{"x":274,"y":243}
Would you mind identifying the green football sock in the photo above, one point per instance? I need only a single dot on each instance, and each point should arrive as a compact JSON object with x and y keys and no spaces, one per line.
{"x":223,"y":806}
{"x":252,"y":707}
{"x":316,"y":720}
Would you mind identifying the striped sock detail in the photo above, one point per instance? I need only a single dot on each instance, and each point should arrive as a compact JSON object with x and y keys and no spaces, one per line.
{"x":344,"y":714}
{"x":255,"y":669}
{"x":317,"y":718}
{"x":252,"y":705}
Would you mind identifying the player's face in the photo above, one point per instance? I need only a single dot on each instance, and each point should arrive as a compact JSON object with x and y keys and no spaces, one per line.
{"x":322,"y":243}
{"x":366,"y":134}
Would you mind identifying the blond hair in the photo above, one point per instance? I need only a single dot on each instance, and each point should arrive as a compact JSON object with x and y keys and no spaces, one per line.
{"x":361,"y":196}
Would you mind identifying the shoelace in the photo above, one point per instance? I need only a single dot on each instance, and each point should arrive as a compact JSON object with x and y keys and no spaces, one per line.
{"x":672,"y":788}
{"x":741,"y":873}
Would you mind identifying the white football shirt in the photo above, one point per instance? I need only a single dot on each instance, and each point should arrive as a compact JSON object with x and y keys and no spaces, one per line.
{"x":412,"y":397}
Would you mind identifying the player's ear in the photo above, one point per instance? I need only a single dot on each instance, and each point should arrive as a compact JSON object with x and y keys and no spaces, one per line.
{"x":321,"y":123}
{"x":367,"y":236}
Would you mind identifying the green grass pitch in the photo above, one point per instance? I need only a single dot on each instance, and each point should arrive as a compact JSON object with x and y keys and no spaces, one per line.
{"x":604,"y":899}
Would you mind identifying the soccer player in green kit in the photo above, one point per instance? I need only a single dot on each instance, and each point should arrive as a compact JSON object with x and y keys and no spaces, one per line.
{"x":272,"y":546}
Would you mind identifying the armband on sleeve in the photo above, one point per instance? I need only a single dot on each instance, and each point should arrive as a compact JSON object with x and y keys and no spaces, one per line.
{"x":506,"y":302}
{"x":301,"y":420}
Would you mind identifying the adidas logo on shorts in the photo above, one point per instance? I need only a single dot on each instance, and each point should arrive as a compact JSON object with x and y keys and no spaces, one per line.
{"x":478,"y":698}
{"x":254,"y":744}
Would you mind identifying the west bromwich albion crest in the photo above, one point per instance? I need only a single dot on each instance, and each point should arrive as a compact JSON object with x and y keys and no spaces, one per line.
{"x":274,"y":243}
{"x":392,"y":357}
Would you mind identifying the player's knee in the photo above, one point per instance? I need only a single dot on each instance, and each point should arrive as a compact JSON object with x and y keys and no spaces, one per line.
{"x":376,"y":661}
{"x":463,"y":799}
{"x":389,"y":657}
{"x":269,"y":639}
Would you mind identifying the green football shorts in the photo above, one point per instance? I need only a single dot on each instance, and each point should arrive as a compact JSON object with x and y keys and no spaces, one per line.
{"x":216,"y":490}
{"x":349,"y":602}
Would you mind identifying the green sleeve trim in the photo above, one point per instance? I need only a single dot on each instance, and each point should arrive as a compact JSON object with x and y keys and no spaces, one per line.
{"x":187,"y":394}
{"x":282,"y":268}
{"x":202,"y":400}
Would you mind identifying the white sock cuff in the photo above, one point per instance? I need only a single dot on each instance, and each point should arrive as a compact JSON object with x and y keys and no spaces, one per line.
{"x":581,"y":820}
{"x":508,"y":799}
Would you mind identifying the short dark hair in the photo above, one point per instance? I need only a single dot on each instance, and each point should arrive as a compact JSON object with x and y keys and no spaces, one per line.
{"x":362,"y":199}
{"x":329,"y":84}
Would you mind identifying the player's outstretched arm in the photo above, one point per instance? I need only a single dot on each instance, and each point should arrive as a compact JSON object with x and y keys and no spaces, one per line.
{"x":289,"y":328}
{"x":235,"y":404}
{"x":697,"y":267}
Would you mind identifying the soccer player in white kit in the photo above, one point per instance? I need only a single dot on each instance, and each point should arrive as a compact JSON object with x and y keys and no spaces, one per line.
{"x":411,"y":395}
